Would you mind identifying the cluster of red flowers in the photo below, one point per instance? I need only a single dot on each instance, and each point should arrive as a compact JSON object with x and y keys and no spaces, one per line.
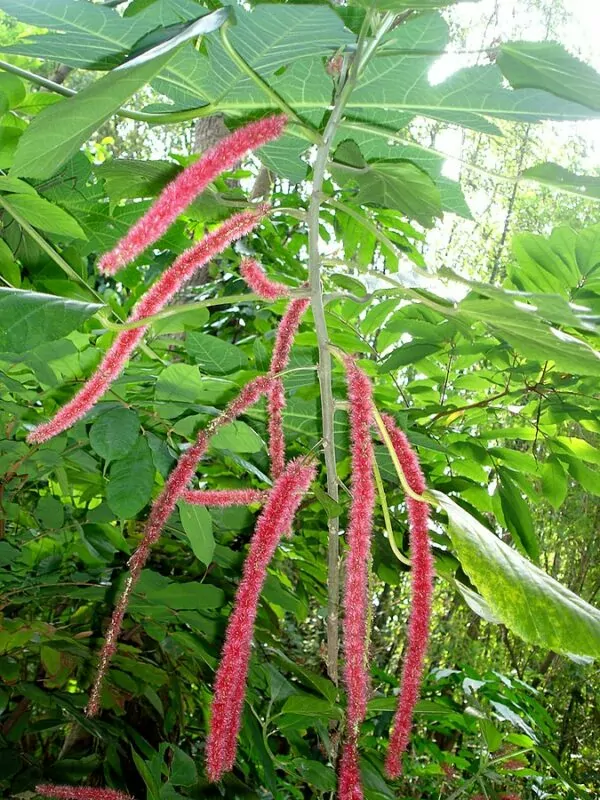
{"x":79,"y":793}
{"x":281,"y":502}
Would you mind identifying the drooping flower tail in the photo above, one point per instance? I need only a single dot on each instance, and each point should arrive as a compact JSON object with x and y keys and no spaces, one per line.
{"x":224,"y":497}
{"x":152,"y":302}
{"x":421,"y":599}
{"x":286,"y":332}
{"x":254,"y":275}
{"x":177,"y":196}
{"x":162,"y":509}
{"x":350,"y":784}
{"x":230,"y":682}
{"x":80,"y":792}
{"x":356,"y":589}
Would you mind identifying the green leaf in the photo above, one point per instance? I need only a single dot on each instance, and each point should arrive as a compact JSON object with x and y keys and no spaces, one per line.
{"x":183,"y":768}
{"x":548,"y":66}
{"x":527,"y":600}
{"x":518,"y":517}
{"x":199,"y":27}
{"x":28,"y":319}
{"x":131,"y":481}
{"x":9,"y":184}
{"x":579,"y":448}
{"x":309,"y":705}
{"x":97,"y":36}
{"x":468,"y":97}
{"x":268,"y":37}
{"x":402,"y":5}
{"x":332,"y":508}
{"x":12,"y":88}
{"x":408,"y":353}
{"x":50,"y":512}
{"x":114,"y":433}
{"x":558,"y":177}
{"x":213,"y":355}
{"x":396,"y":184}
{"x":196,"y":596}
{"x":43,"y":215}
{"x":130,"y":179}
{"x":237,"y":437}
{"x":316,"y":774}
{"x":8,"y":553}
{"x":58,"y":132}
{"x":554,"y":482}
{"x":197,"y":523}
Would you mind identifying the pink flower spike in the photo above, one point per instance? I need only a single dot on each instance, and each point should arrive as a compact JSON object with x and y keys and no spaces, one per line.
{"x":254,"y":275}
{"x":288,"y":327}
{"x":275,"y":408}
{"x":421,"y":596}
{"x":177,"y":196}
{"x":152,"y":302}
{"x":80,"y":792}
{"x":223,"y":497}
{"x":230,"y":682}
{"x":350,"y":785}
{"x":163,"y":507}
{"x":356,"y":590}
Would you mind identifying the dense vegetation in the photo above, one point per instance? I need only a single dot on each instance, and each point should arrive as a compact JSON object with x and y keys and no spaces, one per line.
{"x":471,"y":303}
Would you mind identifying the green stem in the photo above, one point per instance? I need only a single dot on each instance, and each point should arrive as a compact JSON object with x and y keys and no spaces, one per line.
{"x":398,"y":467}
{"x":386,"y":516}
{"x":243,"y":65}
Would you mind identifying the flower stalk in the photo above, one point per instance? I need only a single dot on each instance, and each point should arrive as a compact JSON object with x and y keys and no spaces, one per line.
{"x":421,"y":598}
{"x":274,"y":522}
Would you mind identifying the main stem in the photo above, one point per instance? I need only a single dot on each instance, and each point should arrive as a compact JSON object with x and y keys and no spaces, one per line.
{"x":325,"y":362}
{"x":325,"y":383}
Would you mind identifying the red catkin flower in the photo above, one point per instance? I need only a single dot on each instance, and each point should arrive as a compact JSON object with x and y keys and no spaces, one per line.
{"x":223,"y":497}
{"x":186,"y":187}
{"x":162,"y":509}
{"x":350,"y":785}
{"x":356,"y":589}
{"x":286,"y":332}
{"x":509,"y":796}
{"x":254,"y":275}
{"x":230,"y":682}
{"x":421,"y":596}
{"x":356,"y":594}
{"x":80,"y":792}
{"x":152,"y":302}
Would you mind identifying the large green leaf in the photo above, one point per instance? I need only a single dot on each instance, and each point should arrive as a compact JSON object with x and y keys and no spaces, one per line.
{"x":214,"y":356}
{"x":82,"y":34}
{"x":43,"y":215}
{"x":268,"y":38}
{"x":518,"y":516}
{"x":548,"y":66}
{"x":392,"y":184}
{"x":401,"y":83}
{"x":90,"y":35}
{"x":114,"y":433}
{"x":527,"y":600}
{"x":181,"y":596}
{"x":402,"y":5}
{"x":28,"y":319}
{"x":197,"y":523}
{"x":131,"y":481}
{"x":558,"y":177}
{"x":58,"y":132}
{"x":532,"y":337}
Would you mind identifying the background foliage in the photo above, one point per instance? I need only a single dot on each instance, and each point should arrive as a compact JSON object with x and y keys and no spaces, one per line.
{"x":471,"y":297}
